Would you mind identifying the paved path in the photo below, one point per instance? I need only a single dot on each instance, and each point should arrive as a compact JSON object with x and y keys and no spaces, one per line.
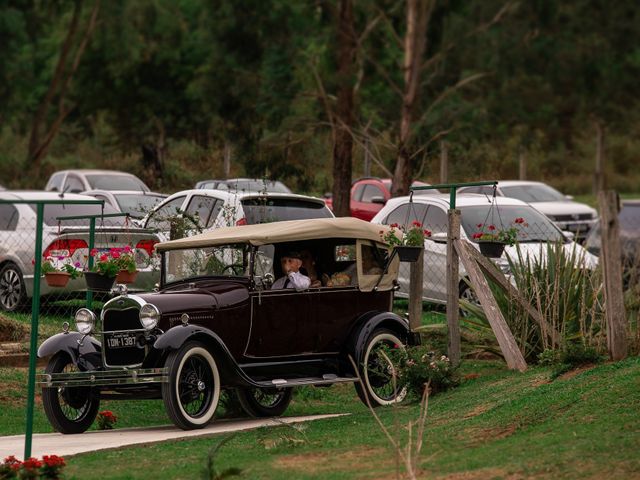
{"x":64,"y":445}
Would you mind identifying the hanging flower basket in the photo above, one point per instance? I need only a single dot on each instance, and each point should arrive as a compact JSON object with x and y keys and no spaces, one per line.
{"x":57,"y":279}
{"x":491,"y":249}
{"x":408,"y":253}
{"x":125,"y":277}
{"x":98,"y":282}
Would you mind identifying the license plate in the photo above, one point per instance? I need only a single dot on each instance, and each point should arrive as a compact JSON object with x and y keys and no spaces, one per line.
{"x":121,"y":340}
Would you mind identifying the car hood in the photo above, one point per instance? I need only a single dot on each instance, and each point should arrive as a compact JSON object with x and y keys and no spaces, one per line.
{"x":203,"y":295}
{"x":563,"y":208}
{"x":537,"y":253}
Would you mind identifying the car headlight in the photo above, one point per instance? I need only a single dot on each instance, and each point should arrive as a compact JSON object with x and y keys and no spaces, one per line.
{"x":149,"y":316}
{"x":85,"y":321}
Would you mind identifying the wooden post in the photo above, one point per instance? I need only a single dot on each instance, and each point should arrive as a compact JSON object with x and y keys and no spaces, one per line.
{"x":522,"y":165}
{"x":612,"y":268}
{"x":444,"y":161}
{"x":415,"y":292}
{"x":453,"y":289}
{"x":512,"y":354}
{"x":598,"y":175}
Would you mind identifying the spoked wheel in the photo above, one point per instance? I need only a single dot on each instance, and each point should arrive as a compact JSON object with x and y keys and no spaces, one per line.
{"x":69,"y":410}
{"x":264,"y":402}
{"x":377,"y":370}
{"x":192,"y":393}
{"x":12,"y":289}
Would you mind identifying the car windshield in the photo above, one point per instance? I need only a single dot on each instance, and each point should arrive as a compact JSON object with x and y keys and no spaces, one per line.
{"x":630,"y":218}
{"x":533,"y":192}
{"x":116,"y":182}
{"x":53,"y":211}
{"x":535,"y":227}
{"x":254,"y":186}
{"x":138,"y":205}
{"x":265,"y":210}
{"x":189,"y":264}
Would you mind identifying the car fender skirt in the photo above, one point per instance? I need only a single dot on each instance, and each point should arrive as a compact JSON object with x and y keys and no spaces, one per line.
{"x":370,"y":322}
{"x":231,"y":373}
{"x":83,"y":350}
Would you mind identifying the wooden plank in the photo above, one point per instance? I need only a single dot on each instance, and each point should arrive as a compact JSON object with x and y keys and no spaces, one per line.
{"x":490,"y":268}
{"x":415,"y":292}
{"x":453,"y":289}
{"x":512,"y":354}
{"x":612,"y":268}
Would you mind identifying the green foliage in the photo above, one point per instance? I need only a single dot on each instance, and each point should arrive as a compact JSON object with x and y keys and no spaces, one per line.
{"x":571,"y":356}
{"x":421,"y":368}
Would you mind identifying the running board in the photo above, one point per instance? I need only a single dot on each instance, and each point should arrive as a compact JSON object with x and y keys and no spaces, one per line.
{"x":327,"y":379}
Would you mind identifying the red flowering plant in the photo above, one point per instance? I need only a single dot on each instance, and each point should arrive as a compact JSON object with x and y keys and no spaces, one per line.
{"x":111,"y":262}
{"x":106,"y":420}
{"x":30,"y":469}
{"x":49,"y":467}
{"x":413,"y":236}
{"x":508,"y":236}
{"x":10,"y":467}
{"x":58,"y":265}
{"x":52,"y":466}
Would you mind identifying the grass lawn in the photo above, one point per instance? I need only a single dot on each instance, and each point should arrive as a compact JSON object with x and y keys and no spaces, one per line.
{"x":497,"y":424}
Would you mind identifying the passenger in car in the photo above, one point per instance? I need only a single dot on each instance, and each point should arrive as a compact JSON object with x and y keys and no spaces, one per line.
{"x":370,"y":266}
{"x":293,"y":278}
{"x":311,"y":269}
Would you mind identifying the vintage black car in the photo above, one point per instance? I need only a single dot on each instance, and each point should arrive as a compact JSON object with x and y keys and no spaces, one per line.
{"x":215,"y":323}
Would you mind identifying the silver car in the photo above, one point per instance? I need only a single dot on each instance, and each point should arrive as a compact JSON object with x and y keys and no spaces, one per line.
{"x":68,"y":239}
{"x":80,"y":180}
{"x":134,"y":202}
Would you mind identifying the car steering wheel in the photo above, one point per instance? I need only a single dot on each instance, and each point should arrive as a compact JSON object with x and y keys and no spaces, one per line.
{"x":235,"y":268}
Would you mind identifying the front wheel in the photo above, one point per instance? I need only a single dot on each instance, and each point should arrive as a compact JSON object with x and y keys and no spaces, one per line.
{"x":191,"y":395}
{"x":264,"y":402}
{"x":379,"y":381}
{"x":69,"y":410}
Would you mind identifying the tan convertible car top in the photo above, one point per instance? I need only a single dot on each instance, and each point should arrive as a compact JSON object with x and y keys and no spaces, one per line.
{"x":278,"y":232}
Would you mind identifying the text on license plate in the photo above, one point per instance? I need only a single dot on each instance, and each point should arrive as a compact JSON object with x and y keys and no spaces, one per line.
{"x":121,"y":340}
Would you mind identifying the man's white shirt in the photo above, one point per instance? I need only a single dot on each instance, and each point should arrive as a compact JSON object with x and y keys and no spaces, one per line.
{"x":295,"y":280}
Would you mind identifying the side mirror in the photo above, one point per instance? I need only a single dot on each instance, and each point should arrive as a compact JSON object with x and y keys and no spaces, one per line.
{"x":379,"y":200}
{"x":440,"y":237}
{"x":268,"y":280}
{"x":569,"y":197}
{"x":569,"y":235}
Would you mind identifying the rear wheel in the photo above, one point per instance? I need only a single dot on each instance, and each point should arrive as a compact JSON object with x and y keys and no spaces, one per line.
{"x":192,"y":393}
{"x":379,"y":383}
{"x":12,"y":290}
{"x":264,"y":402}
{"x":69,"y":410}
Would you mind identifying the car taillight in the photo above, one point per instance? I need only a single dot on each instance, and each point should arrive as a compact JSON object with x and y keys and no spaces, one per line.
{"x":64,"y":248}
{"x":242,"y":221}
{"x":147,"y":246}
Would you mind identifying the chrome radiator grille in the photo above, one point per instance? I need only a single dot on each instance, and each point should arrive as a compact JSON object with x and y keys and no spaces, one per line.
{"x":120,"y":349}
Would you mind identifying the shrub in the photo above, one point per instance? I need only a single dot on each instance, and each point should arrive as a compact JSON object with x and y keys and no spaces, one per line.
{"x":418,"y":367}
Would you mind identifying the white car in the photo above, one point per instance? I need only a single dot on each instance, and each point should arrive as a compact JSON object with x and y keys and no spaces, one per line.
{"x":66,"y":240}
{"x":218,"y":208}
{"x":80,"y":179}
{"x":569,"y":215}
{"x":476,"y":213}
{"x":134,"y":202}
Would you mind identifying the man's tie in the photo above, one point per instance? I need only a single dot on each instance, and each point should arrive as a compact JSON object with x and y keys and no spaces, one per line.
{"x":286,"y":282}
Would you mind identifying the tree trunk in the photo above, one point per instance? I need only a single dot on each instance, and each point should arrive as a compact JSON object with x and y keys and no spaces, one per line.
{"x":344,"y":112}
{"x":62,"y":76}
{"x":415,"y":41}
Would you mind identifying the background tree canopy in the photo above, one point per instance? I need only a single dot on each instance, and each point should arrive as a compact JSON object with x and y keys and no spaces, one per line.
{"x":187,"y":80}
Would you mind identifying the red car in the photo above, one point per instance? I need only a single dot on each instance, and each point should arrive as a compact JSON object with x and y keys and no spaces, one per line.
{"x":369,"y":195}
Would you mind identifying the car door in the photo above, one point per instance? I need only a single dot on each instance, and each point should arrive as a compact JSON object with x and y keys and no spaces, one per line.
{"x":364,"y":207}
{"x":280,"y":319}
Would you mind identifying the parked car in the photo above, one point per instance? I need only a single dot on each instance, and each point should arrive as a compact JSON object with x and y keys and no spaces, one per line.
{"x":216,"y":324}
{"x":239,"y":185}
{"x":569,"y":215}
{"x":218,"y":208}
{"x":369,"y":194}
{"x":134,"y":202}
{"x":431,"y":212}
{"x":80,"y":180}
{"x":64,"y":238}
{"x":629,"y":222}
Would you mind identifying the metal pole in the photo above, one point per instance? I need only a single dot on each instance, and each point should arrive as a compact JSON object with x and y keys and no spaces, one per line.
{"x":35,"y":310}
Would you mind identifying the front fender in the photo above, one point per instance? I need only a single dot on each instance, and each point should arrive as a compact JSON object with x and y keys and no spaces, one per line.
{"x":85,"y":351}
{"x":177,"y":336}
{"x":371,"y":322}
